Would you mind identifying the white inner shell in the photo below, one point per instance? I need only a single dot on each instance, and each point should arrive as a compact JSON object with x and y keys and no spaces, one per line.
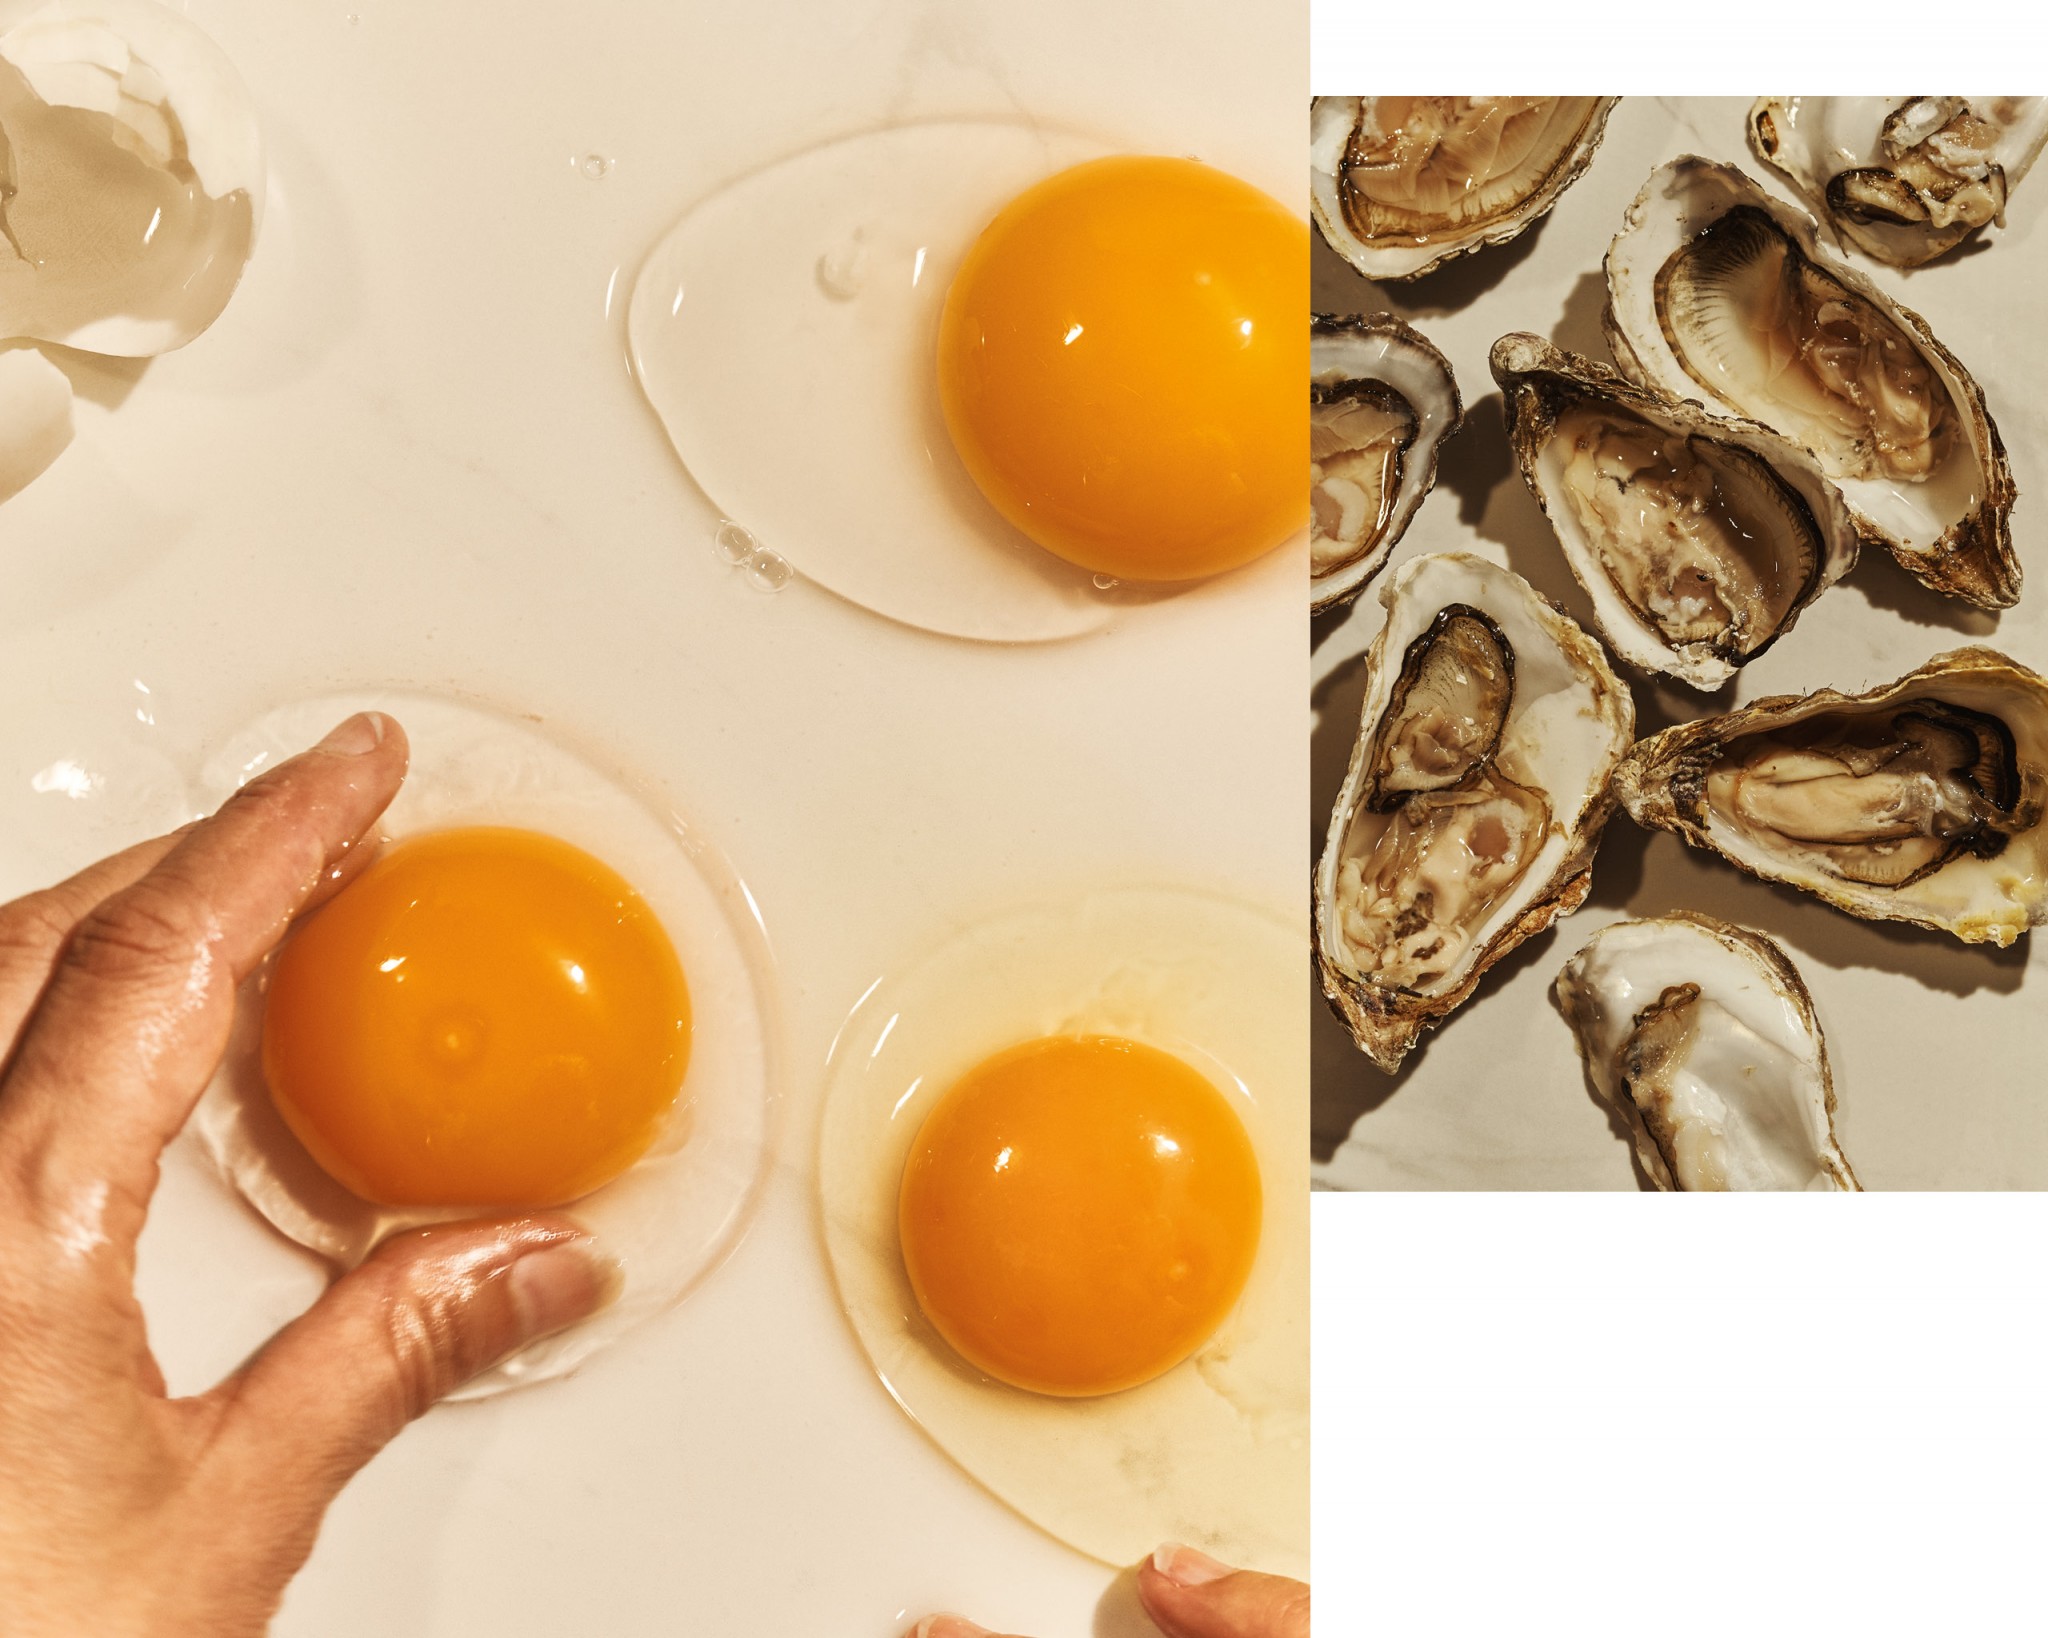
{"x":1679,"y":203}
{"x":673,"y":1216}
{"x":1747,"y":1099}
{"x":786,"y":333}
{"x":1215,"y":1452}
{"x":1553,"y":742}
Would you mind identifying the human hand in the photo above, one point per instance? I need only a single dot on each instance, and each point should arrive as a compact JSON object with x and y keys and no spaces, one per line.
{"x":1188,"y":1595}
{"x":123,"y":1511}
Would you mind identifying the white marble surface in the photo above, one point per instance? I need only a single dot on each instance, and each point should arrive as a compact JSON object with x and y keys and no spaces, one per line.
{"x":1936,"y":1045}
{"x":410,"y":454}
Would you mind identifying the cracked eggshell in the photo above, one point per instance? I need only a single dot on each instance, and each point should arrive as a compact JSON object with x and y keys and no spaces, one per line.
{"x":1536,"y":379}
{"x":1953,"y":534}
{"x":35,"y":417}
{"x":159,"y":95}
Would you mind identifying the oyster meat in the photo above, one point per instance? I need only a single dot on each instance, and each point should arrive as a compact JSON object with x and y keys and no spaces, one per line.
{"x":1904,"y":179}
{"x":1399,"y":185}
{"x":1475,"y":797}
{"x":1698,"y":538}
{"x":1703,"y":1037}
{"x":1381,"y":402}
{"x":1920,"y":801}
{"x":1717,"y":291}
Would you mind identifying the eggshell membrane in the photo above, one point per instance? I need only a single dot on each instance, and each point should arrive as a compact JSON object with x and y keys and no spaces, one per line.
{"x":673,"y":1216}
{"x":1215,"y":1452}
{"x":813,"y":419}
{"x":73,"y":54}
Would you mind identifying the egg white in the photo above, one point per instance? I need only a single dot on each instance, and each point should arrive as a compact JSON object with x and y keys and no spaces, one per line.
{"x":785,"y":331}
{"x":673,"y":1216}
{"x":1215,"y":1451}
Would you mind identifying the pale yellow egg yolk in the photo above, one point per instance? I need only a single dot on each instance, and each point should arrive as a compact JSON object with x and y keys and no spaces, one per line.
{"x":1120,"y":365}
{"x":1079,"y":1214}
{"x":486,"y":1017}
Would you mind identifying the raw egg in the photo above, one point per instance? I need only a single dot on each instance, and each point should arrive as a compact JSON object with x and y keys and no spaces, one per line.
{"x":546,"y":989}
{"x":787,"y":332}
{"x":1052,"y":1171}
{"x":1079,"y":1214}
{"x":1120,"y":366}
{"x":486,"y":1017}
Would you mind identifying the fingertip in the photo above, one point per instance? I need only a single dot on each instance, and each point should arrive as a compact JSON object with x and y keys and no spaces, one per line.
{"x":1182,"y":1566}
{"x":554,"y":1286}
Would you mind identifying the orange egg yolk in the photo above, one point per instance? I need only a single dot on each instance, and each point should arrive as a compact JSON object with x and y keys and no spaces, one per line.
{"x":486,"y":1017}
{"x":1120,"y":366}
{"x":1079,"y":1214}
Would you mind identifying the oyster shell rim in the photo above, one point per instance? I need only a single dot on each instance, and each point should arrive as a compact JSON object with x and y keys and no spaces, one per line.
{"x":1341,"y":585}
{"x":1779,"y":967}
{"x":1337,"y":234}
{"x":1985,"y":530}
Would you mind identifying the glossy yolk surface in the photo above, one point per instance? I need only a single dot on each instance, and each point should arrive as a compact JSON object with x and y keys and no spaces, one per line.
{"x":1079,"y":1213}
{"x":486,"y":1017}
{"x":1120,"y":365}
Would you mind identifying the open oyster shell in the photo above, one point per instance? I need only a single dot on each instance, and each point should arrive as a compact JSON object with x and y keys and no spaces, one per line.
{"x":1698,"y":538}
{"x":1476,"y":793}
{"x":1382,"y":401}
{"x":1904,"y":179}
{"x":1717,"y":291}
{"x":1704,"y":1038}
{"x":1920,"y":801}
{"x":1399,"y":185}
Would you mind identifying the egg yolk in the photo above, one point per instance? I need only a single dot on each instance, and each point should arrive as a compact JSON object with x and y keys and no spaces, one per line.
{"x":1120,"y":366}
{"x":485,"y":1017}
{"x":1079,"y":1213}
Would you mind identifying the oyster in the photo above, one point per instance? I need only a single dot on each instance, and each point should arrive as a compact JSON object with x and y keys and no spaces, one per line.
{"x":1381,"y":403}
{"x":1703,"y":1037}
{"x":1399,"y":185}
{"x":1699,"y":539}
{"x":1715,"y":290}
{"x":1476,"y":794}
{"x":1904,"y":179}
{"x":1920,"y":801}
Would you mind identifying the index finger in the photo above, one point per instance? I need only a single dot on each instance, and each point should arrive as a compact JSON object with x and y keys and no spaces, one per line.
{"x":139,"y":1004}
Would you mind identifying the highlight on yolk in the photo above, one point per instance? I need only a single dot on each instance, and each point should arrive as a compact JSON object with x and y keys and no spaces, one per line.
{"x":1079,"y":1213}
{"x":1120,"y":365}
{"x":486,"y":1017}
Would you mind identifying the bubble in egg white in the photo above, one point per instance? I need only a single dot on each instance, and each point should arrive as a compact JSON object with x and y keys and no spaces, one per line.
{"x":673,"y":1216}
{"x":135,"y":176}
{"x":1215,"y":1451}
{"x":785,"y":332}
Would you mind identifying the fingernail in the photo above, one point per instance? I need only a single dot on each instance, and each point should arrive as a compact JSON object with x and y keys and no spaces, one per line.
{"x":362,"y":733}
{"x":559,"y":1286}
{"x":949,"y":1626}
{"x":1185,"y":1567}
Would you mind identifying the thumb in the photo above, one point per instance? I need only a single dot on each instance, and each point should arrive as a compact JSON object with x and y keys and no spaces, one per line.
{"x":427,"y":1311}
{"x":1189,"y":1595}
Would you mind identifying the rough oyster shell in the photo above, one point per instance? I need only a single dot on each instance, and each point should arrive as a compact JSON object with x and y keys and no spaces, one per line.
{"x":1490,"y":729}
{"x":1457,"y":172}
{"x":1703,"y":1037}
{"x":1904,"y":179}
{"x":1717,"y":291}
{"x":1382,"y":401}
{"x":1919,"y":801}
{"x":1698,"y":538}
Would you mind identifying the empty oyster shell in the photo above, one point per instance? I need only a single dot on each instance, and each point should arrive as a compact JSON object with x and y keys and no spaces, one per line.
{"x":1381,"y":402}
{"x":1904,"y":179}
{"x":1704,"y":1038}
{"x":1920,"y":801}
{"x":1475,"y":797}
{"x":1399,"y":185}
{"x":1715,"y":290}
{"x":1698,"y":538}
{"x":131,"y":176}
